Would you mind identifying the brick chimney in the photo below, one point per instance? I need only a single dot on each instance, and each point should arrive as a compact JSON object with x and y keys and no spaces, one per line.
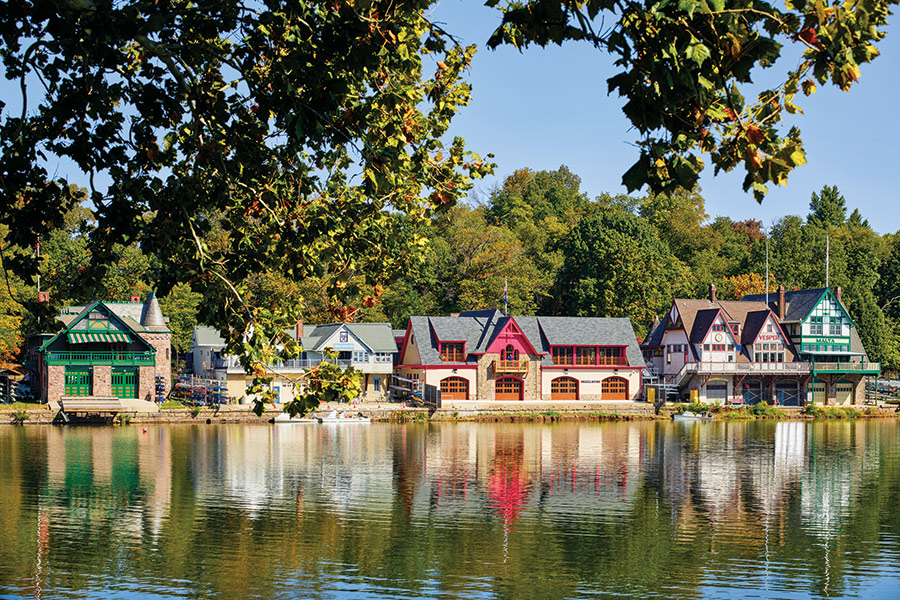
{"x":454,"y":314}
{"x":135,"y":299}
{"x":781,"y":303}
{"x":712,"y":292}
{"x":298,"y":329}
{"x":837,"y":293}
{"x":43,"y":296}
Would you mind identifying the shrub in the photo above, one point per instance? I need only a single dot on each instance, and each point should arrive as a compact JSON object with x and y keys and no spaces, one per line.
{"x":735,"y":414}
{"x":832,"y":412}
{"x":766,"y":410}
{"x":697,"y":407}
{"x":124,"y":419}
{"x":20,"y":416}
{"x":195,"y":410}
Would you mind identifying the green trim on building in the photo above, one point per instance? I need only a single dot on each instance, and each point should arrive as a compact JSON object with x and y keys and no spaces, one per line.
{"x":124,"y":359}
{"x":124,"y":382}
{"x":79,"y":381}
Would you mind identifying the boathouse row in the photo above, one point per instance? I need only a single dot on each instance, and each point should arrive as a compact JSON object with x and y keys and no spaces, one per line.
{"x":105,"y":350}
{"x":484,"y":356}
{"x":789,"y":348}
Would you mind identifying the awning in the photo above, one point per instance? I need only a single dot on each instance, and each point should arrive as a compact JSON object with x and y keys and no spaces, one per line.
{"x":87,"y":337}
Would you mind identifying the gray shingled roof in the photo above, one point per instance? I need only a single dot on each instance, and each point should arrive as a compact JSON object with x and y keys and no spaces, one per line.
{"x":479,"y":328}
{"x":378,"y":337}
{"x":131,"y":312}
{"x":856,"y":345}
{"x":702,"y":322}
{"x":799,"y":303}
{"x":204,"y":335}
{"x":654,"y":336}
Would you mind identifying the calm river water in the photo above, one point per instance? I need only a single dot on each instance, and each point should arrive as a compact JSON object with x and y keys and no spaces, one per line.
{"x":625,"y":510}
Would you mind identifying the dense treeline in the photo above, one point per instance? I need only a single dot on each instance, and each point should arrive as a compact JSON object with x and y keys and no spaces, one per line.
{"x":553,"y":249}
{"x":561,"y":253}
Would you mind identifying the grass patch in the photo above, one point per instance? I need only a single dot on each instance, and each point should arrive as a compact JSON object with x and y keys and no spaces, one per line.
{"x":195,"y":410}
{"x":832,"y":412}
{"x":173,"y":404}
{"x":124,"y":419}
{"x":20,"y":416}
{"x":17,"y":406}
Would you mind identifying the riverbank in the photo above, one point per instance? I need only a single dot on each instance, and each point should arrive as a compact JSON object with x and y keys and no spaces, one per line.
{"x":34,"y":414}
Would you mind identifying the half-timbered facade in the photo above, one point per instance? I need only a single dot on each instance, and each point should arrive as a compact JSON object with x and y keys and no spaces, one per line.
{"x":799,"y":346}
{"x":484,"y":356}
{"x":826,"y":338}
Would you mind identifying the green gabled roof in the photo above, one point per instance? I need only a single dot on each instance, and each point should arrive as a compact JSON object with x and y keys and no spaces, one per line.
{"x":86,"y":311}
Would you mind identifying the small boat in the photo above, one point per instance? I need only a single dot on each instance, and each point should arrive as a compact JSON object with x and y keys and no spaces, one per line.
{"x":332,"y":417}
{"x":692,"y":416}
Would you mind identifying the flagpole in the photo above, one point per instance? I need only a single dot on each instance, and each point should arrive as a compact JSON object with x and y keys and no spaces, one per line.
{"x":827,"y":259}
{"x":767,"y":271}
{"x":505,"y":296}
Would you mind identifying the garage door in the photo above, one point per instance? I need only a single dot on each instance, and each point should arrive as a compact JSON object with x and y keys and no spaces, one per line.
{"x":717,"y":392}
{"x":508,"y":388}
{"x":614,"y":388}
{"x":817,"y":392}
{"x":124,"y":382}
{"x":564,"y":388}
{"x":78,"y":381}
{"x":843,"y":390}
{"x":454,"y":388}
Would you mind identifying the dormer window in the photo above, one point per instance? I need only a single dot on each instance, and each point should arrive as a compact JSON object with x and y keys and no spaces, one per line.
{"x":453,"y":351}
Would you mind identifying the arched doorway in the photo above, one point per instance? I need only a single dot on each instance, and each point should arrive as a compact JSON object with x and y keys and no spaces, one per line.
{"x":753,"y":392}
{"x":843,"y":391}
{"x":564,"y":388}
{"x":614,"y":388}
{"x":817,"y":392}
{"x":454,"y":388}
{"x":787,"y":392}
{"x":508,"y":388}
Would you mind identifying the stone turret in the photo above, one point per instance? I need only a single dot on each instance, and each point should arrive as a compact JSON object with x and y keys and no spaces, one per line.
{"x":158,"y":336}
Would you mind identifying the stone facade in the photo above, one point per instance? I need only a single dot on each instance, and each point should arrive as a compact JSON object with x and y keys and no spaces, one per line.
{"x":162,"y":343}
{"x":56,"y":381}
{"x":102,"y":381}
{"x":486,"y":378}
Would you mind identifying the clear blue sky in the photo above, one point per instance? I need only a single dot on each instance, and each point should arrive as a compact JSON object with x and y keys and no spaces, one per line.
{"x":548,"y":107}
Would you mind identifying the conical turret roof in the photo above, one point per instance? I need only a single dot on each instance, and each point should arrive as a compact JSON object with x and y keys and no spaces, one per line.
{"x":152,"y":317}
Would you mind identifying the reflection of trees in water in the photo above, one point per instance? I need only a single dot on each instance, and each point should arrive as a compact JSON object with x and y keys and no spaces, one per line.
{"x":572,"y":509}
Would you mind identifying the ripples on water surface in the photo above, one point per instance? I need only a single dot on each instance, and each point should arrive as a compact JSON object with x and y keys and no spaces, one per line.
{"x":617,"y":510}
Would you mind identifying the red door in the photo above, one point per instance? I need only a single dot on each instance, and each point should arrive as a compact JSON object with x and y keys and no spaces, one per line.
{"x":508,"y":388}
